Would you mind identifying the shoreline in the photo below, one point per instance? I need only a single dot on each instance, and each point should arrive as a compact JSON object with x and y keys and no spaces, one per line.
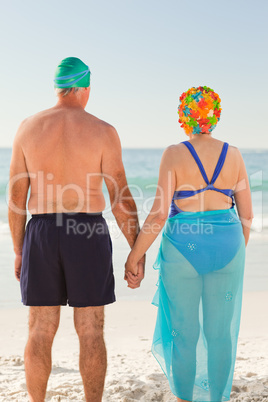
{"x":133,"y":373}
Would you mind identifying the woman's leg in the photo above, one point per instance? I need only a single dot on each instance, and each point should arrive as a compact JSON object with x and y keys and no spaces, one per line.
{"x":186,"y":327}
{"x":218,"y":301}
{"x":182,"y":289}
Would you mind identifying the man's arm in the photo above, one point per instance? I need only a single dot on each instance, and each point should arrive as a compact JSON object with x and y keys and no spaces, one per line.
{"x":18,"y":189}
{"x":122,"y":203}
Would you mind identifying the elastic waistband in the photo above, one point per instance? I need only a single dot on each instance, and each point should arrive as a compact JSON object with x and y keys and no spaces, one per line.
{"x":67,"y":215}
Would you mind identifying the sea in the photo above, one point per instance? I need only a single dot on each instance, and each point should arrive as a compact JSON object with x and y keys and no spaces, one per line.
{"x":142,"y":167}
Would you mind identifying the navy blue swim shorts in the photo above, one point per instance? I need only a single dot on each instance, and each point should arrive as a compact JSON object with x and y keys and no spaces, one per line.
{"x":67,"y":257}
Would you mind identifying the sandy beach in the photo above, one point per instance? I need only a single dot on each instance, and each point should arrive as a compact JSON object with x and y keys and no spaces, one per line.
{"x":133,"y":374}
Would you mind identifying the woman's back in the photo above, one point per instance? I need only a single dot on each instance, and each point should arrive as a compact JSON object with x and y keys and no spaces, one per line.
{"x":189,"y":176}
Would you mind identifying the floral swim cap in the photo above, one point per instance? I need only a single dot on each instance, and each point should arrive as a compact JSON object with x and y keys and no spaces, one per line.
{"x":199,"y":110}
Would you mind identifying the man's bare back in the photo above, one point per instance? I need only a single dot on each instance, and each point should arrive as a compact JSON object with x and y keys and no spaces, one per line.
{"x":64,"y":149}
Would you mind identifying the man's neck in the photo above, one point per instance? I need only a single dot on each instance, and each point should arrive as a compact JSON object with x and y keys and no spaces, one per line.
{"x":69,"y":101}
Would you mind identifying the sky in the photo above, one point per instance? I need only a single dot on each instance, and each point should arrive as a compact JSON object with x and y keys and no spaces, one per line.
{"x":142,"y":54}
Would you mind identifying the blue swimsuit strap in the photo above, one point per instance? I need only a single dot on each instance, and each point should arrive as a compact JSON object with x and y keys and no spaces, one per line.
{"x":200,"y":165}
{"x":196,"y":158}
{"x":220,"y":163}
{"x":188,"y":193}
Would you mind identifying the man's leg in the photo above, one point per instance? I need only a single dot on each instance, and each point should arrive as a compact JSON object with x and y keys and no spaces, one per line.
{"x":43,"y":325}
{"x":89,"y":322}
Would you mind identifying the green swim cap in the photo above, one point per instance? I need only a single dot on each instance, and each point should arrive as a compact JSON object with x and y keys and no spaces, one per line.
{"x":72,"y":72}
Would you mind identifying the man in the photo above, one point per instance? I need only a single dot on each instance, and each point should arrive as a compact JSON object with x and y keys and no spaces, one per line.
{"x":65,"y":253}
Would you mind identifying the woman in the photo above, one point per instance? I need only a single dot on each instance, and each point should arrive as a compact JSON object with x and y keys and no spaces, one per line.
{"x":202,"y":254}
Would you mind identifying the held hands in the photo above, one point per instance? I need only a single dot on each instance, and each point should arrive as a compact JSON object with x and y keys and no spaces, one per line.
{"x":134,"y":272}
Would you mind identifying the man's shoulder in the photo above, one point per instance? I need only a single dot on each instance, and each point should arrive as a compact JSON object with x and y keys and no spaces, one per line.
{"x":36,"y":118}
{"x":99,"y":122}
{"x":105,"y":129}
{"x":30,"y":124}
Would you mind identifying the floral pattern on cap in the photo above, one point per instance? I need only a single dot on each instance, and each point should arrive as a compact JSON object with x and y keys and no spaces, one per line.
{"x":199,"y":110}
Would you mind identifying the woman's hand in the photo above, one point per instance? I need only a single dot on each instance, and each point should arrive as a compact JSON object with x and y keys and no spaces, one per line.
{"x":134,"y":272}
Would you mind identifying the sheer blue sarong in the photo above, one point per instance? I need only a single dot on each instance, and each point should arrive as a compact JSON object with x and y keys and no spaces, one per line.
{"x":199,"y":296}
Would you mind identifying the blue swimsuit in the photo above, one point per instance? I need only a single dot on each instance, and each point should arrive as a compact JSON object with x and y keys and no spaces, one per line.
{"x":199,"y":296}
{"x":178,"y":195}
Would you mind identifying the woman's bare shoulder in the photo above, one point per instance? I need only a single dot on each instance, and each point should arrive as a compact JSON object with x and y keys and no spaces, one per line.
{"x":234,"y":152}
{"x":233,"y":148}
{"x":176,"y":152}
{"x":174,"y":148}
{"x":173,"y":151}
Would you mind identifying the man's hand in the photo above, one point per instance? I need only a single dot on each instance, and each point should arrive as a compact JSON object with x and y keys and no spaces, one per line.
{"x":18,"y":261}
{"x":134,"y":274}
